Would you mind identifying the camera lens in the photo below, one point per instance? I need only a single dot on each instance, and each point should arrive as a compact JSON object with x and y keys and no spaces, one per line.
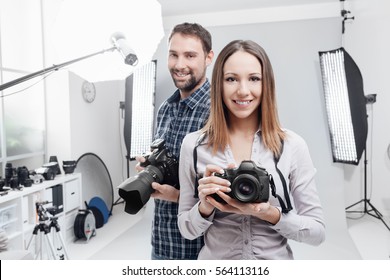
{"x":136,"y":190}
{"x":245,"y":188}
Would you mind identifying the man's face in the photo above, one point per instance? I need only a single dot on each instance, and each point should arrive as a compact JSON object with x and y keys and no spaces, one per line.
{"x":187,"y":63}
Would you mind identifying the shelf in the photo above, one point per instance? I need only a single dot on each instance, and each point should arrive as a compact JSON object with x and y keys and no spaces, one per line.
{"x":18,"y":215}
{"x":59,"y":179}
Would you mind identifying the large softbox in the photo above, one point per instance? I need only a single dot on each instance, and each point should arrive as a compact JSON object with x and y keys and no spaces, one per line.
{"x":345,"y":105}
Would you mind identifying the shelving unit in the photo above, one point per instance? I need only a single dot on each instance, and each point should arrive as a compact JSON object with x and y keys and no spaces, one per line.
{"x":18,"y":209}
{"x":18,"y":217}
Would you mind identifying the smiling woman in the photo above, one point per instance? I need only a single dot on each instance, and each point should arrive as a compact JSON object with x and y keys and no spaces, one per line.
{"x":244,"y":128}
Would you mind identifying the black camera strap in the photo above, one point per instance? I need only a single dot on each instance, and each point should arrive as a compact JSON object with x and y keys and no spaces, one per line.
{"x":195,"y":158}
{"x":285,"y":189}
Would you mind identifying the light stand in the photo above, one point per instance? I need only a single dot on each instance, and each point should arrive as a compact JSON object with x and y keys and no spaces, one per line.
{"x":368,"y":206}
{"x":50,"y":69}
{"x":127,"y":107}
{"x":366,"y":201}
{"x":119,"y":43}
{"x":347,"y":114}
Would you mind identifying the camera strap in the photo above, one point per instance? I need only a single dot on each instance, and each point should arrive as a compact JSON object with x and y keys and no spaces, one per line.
{"x":285,"y":209}
{"x":285,"y":189}
{"x":195,"y":158}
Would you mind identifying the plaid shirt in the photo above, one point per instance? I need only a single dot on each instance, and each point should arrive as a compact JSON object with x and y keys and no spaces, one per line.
{"x":176,"y":118}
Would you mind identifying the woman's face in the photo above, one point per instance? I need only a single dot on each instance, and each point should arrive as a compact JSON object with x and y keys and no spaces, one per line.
{"x":242,"y":85}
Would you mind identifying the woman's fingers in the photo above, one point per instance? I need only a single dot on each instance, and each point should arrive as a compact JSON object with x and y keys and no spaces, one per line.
{"x":211,"y":168}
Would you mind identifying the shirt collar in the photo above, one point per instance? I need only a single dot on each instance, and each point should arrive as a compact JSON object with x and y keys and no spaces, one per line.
{"x":194,"y":98}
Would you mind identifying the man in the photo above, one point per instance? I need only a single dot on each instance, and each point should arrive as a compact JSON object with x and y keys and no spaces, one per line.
{"x":189,"y":55}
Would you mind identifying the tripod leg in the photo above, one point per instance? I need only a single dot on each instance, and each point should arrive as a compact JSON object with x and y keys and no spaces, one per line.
{"x":57,"y":235}
{"x":378,"y":214}
{"x":37,"y":251}
{"x":63,"y":245}
{"x":50,"y":246}
{"x":29,"y":242}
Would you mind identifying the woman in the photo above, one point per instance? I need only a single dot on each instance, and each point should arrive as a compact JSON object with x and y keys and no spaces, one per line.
{"x":243,"y":125}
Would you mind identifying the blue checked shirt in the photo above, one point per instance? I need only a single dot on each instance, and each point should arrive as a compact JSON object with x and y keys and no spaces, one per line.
{"x":175,"y":119}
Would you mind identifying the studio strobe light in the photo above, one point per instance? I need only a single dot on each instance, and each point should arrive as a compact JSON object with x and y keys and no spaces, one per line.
{"x":347,"y":115}
{"x":345,"y":105}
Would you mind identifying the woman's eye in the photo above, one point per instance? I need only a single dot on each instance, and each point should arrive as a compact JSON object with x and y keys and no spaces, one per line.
{"x":256,"y":79}
{"x":230,"y":79}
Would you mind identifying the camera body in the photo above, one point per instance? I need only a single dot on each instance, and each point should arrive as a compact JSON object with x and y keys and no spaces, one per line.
{"x":164,"y":161}
{"x":161,"y":166}
{"x":249,"y":183}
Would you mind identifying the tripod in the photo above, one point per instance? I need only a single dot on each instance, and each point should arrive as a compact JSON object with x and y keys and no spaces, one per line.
{"x":366,"y":201}
{"x":41,"y":231}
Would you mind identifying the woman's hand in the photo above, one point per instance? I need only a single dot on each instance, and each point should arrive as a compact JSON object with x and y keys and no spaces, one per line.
{"x":209,"y":185}
{"x":263,"y":210}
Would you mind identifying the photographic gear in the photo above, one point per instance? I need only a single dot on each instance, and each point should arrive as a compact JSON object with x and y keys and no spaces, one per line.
{"x":24,"y":176}
{"x":161,"y":166}
{"x":47,"y":172}
{"x":60,"y":252}
{"x":84,"y":224}
{"x":9,"y":174}
{"x":249,"y":183}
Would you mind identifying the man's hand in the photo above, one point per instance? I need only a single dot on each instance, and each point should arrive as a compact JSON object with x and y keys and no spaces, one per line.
{"x":165,"y":192}
{"x":138,"y":167}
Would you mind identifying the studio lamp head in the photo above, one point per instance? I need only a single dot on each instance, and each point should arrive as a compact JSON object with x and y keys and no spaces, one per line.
{"x":118,"y":39}
{"x":345,"y":105}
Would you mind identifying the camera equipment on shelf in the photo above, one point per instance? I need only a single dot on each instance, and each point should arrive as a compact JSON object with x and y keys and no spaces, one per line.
{"x":249,"y":183}
{"x":161,"y":166}
{"x":16,"y":178}
{"x":48,"y":170}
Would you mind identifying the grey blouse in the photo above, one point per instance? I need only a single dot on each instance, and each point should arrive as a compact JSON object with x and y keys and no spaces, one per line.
{"x":233,"y":236}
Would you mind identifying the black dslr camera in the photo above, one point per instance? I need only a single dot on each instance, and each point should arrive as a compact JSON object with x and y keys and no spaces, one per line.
{"x":249,"y":183}
{"x":161,"y":166}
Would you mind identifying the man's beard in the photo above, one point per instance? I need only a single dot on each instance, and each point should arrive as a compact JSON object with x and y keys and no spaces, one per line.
{"x":189,"y":85}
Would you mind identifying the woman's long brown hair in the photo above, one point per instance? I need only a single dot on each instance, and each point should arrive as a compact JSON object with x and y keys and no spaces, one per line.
{"x":217,"y":124}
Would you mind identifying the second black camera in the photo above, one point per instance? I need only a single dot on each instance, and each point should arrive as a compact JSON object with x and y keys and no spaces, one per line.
{"x":161,"y":166}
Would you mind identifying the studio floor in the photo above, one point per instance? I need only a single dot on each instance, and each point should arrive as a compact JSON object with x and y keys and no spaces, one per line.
{"x":364,"y":237}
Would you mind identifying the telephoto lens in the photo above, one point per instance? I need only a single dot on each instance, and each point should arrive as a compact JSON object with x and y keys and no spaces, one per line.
{"x":161,"y":166}
{"x":136,"y":190}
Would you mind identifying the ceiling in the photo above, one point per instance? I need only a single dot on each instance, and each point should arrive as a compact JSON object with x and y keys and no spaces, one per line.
{"x":184,"y":7}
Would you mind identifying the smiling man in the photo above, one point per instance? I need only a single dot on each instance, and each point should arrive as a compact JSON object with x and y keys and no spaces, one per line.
{"x":189,"y":55}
